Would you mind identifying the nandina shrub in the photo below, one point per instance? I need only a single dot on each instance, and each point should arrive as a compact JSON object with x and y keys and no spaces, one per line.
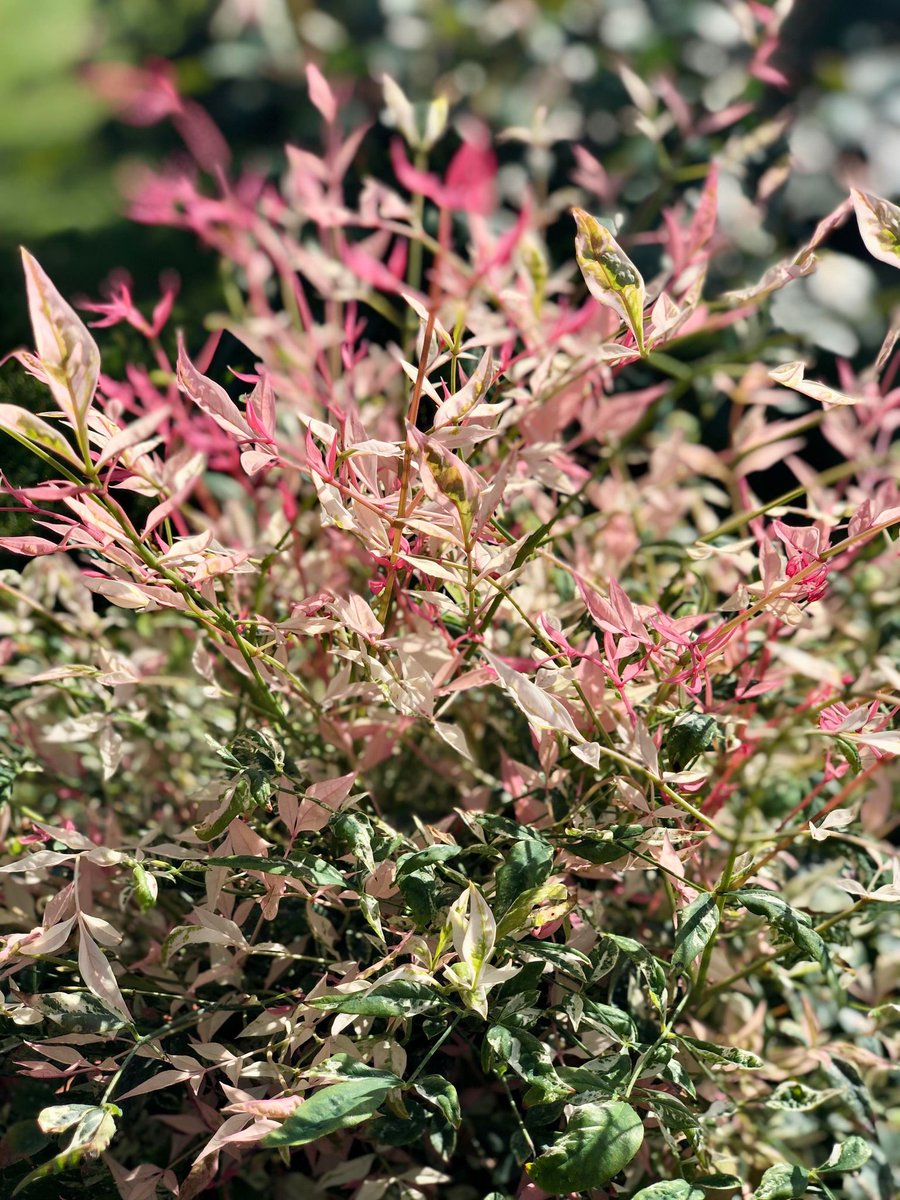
{"x":432,"y":769}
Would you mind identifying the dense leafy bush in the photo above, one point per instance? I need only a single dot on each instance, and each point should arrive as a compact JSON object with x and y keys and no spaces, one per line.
{"x":439,"y":771}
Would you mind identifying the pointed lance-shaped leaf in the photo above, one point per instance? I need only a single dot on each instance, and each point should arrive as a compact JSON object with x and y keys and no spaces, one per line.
{"x":25,"y":427}
{"x":879,"y":226}
{"x":697,"y":926}
{"x":68,"y":353}
{"x":611,"y":276}
{"x":212,"y":398}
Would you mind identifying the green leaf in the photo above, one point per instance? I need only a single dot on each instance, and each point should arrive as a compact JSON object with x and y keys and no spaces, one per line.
{"x":528,"y":1056}
{"x":534,"y":908}
{"x":565,"y":958}
{"x":711,"y":1052}
{"x":439,"y":1093}
{"x":611,"y":276}
{"x":601,"y":846}
{"x":338,"y":1106}
{"x":782,"y":1182}
{"x":651,"y":968}
{"x":599,"y":1141}
{"x":697,"y":926}
{"x":527,"y":865}
{"x":796,"y":926}
{"x":77,"y":1012}
{"x":855,"y":1094}
{"x":399,"y":998}
{"x":92,"y":1134}
{"x":609,"y":1020}
{"x":849,"y":1155}
{"x":299,"y":865}
{"x":431,"y":855}
{"x":718,"y":1183}
{"x":673,"y":1189}
{"x":671,"y":1112}
{"x":354,"y":832}
{"x":605,"y":1075}
{"x":687,"y":738}
{"x":850,"y":753}
{"x":791,"y":1096}
{"x":342,"y":1066}
{"x":232,"y":805}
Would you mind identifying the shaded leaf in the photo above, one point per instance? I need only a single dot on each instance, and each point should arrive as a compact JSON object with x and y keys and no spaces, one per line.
{"x":526,"y":866}
{"x":796,"y":926}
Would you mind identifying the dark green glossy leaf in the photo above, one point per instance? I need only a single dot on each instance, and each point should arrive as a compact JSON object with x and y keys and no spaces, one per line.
{"x":691,"y":735}
{"x":400,"y":998}
{"x":697,"y":926}
{"x":440,"y":1094}
{"x":354,"y":833}
{"x":529,"y":1057}
{"x":609,"y":1020}
{"x":651,"y":968}
{"x":339,"y":1106}
{"x":299,"y":865}
{"x":526,"y":865}
{"x":599,"y":1141}
{"x":603,"y":845}
{"x":792,"y":924}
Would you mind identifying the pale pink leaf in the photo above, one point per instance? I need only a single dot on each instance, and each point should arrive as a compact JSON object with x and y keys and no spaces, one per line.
{"x":131,"y":435}
{"x":98,"y":975}
{"x":791,"y":375}
{"x":68,"y":353}
{"x":544,"y":712}
{"x":211,"y":398}
{"x":320,"y":93}
{"x":33,"y":547}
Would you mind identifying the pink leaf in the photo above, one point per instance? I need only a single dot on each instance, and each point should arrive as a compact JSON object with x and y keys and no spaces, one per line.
{"x":31,"y":546}
{"x":210,"y":397}
{"x":320,"y":93}
{"x":98,"y":975}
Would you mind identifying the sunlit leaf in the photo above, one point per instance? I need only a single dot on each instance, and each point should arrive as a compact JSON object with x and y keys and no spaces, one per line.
{"x":599,"y":1140}
{"x":611,"y":276}
{"x":339,"y":1106}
